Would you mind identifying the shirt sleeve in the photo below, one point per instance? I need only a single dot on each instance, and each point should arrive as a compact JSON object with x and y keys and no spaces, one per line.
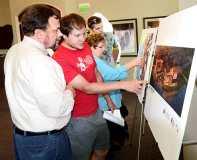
{"x":110,"y":73}
{"x":69,"y":72}
{"x":49,"y":88}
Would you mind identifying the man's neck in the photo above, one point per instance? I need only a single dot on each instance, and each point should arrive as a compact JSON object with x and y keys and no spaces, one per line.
{"x":66,"y":45}
{"x":37,"y":39}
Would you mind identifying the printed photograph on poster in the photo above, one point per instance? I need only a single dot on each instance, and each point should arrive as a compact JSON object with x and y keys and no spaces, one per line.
{"x":152,"y":22}
{"x":126,"y":33}
{"x":170,"y":73}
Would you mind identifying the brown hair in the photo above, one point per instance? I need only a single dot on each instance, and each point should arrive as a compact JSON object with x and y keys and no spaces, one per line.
{"x":71,"y":21}
{"x":92,"y":21}
{"x":36,"y":17}
{"x":94,"y":39}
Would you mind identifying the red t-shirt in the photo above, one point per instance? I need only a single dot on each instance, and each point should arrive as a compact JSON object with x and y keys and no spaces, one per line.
{"x":74,"y":62}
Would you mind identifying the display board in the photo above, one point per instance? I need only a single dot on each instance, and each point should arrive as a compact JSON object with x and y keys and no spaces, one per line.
{"x":146,"y":50}
{"x":169,"y":94}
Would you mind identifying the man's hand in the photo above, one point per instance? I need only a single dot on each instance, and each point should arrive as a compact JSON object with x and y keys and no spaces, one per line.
{"x":69,"y":87}
{"x":134,"y":86}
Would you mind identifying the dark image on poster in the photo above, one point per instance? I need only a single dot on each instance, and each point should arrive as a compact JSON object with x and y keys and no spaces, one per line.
{"x":170,"y":73}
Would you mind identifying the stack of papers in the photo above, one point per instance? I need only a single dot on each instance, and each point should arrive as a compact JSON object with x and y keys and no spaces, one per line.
{"x":114,"y":117}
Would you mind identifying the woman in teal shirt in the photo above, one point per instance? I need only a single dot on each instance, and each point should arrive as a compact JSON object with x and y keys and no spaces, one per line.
{"x":118,"y":134}
{"x":109,"y":72}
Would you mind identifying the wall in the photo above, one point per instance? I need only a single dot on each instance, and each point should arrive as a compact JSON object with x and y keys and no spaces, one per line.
{"x":5,"y":17}
{"x":121,"y":9}
{"x":124,"y":9}
{"x":16,"y":8}
{"x":190,"y":137}
{"x":186,"y":3}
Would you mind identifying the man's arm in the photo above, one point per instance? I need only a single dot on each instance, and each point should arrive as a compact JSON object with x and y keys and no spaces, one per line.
{"x":54,"y":97}
{"x":98,"y":87}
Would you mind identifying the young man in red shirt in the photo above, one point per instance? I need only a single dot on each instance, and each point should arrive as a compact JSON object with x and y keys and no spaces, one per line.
{"x":87,"y":130}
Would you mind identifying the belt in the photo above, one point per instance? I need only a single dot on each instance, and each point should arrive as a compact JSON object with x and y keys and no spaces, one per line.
{"x":27,"y":133}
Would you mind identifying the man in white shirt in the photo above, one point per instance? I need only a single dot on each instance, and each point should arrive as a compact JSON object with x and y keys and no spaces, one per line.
{"x":39,"y":100}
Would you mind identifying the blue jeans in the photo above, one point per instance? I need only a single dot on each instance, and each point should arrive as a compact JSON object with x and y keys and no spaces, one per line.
{"x":43,"y":147}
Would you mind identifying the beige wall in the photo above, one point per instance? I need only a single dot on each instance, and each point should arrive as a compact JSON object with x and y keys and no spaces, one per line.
{"x":16,"y":6}
{"x":4,"y":12}
{"x":124,"y":9}
{"x":120,"y":10}
{"x":186,"y":3}
{"x":127,"y":8}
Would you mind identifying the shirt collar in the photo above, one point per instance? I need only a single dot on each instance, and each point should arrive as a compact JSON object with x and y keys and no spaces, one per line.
{"x":35,"y":43}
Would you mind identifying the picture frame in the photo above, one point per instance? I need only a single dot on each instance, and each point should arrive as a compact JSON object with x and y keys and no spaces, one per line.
{"x":152,"y":22}
{"x":126,"y":32}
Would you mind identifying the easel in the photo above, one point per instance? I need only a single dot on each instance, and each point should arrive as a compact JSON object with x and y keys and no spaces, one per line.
{"x":142,"y":123}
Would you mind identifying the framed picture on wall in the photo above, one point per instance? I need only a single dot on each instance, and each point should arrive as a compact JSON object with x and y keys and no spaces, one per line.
{"x":152,"y":22}
{"x":126,"y":32}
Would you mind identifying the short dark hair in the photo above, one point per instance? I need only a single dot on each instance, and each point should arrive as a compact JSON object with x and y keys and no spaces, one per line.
{"x":71,"y":21}
{"x":36,"y":17}
{"x":92,"y":21}
{"x":94,"y":39}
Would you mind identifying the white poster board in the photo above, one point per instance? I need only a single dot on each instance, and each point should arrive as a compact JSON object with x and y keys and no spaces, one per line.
{"x":167,"y":126}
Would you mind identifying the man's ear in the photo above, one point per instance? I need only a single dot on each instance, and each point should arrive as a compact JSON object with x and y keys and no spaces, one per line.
{"x":39,"y":34}
{"x":66,"y":36}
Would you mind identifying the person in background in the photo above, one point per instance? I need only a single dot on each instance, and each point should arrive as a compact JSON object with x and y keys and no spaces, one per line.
{"x":87,"y":129}
{"x":100,"y":24}
{"x":95,"y":25}
{"x":110,"y":73}
{"x":39,"y":100}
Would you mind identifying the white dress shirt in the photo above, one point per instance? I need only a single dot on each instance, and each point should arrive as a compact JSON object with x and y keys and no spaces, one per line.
{"x":35,"y":88}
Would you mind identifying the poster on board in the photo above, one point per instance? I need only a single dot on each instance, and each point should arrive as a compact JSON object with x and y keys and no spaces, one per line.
{"x":146,"y":50}
{"x":169,"y":94}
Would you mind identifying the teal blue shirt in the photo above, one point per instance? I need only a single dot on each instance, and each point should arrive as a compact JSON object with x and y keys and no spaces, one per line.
{"x":109,"y":74}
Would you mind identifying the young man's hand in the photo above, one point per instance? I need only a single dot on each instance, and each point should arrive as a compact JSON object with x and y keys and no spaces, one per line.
{"x":134,"y":86}
{"x":69,"y":87}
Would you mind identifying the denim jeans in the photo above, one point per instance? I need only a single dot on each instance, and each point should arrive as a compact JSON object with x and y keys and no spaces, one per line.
{"x":43,"y":147}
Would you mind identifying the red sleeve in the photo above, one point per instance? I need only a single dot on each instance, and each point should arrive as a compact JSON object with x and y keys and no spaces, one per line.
{"x":69,"y":72}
